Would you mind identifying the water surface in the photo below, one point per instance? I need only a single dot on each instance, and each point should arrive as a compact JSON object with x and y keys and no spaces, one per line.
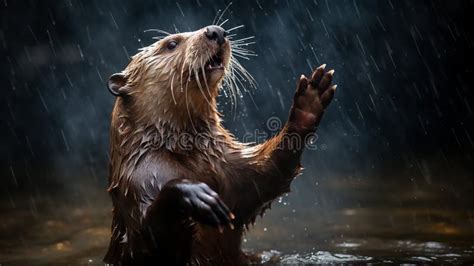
{"x":346,"y":221}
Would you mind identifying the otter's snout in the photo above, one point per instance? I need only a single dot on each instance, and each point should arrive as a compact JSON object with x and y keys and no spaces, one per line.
{"x":216,"y":33}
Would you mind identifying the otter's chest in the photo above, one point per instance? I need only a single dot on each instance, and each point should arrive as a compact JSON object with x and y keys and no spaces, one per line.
{"x":200,"y":165}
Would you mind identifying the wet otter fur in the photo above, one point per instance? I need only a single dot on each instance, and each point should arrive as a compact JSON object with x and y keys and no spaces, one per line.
{"x":187,"y":200}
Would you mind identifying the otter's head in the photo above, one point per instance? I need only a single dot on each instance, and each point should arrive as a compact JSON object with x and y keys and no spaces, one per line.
{"x":176,"y":78}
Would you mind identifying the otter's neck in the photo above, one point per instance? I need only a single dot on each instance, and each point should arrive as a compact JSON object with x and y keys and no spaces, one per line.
{"x":167,"y":131}
{"x":191,"y":112}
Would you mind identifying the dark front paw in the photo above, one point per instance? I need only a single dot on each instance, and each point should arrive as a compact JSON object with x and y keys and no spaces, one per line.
{"x":312,"y":97}
{"x":204,"y":205}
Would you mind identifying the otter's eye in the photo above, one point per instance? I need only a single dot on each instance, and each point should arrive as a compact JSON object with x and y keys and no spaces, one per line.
{"x":171,"y":45}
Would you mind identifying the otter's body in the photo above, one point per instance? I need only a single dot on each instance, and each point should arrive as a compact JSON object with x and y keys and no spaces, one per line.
{"x":183,"y":188}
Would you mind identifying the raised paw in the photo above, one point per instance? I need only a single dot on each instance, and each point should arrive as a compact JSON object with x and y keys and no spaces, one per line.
{"x":312,"y":97}
{"x":205,"y":206}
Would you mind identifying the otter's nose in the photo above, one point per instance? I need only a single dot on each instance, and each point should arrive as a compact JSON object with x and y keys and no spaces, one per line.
{"x":216,"y":33}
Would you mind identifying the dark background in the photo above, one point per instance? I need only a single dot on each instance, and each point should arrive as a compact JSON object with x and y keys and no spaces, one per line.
{"x":402,"y":119}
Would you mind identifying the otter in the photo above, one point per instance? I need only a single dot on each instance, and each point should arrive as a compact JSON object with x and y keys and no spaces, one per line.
{"x":188,"y":200}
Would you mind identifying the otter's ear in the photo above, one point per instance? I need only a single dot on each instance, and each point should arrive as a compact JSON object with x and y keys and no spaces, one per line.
{"x":117,"y":85}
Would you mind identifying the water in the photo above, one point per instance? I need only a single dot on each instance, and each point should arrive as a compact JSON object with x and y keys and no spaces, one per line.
{"x":373,"y":222}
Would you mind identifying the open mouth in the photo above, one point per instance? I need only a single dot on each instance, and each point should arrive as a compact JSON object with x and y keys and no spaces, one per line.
{"x":214,"y":63}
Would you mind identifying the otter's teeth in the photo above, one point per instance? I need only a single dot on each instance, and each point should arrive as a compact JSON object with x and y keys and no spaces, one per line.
{"x":214,"y":63}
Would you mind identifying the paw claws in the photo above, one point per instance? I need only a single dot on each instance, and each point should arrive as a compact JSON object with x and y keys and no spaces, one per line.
{"x":334,"y":87}
{"x":331,"y":72}
{"x":323,"y":66}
